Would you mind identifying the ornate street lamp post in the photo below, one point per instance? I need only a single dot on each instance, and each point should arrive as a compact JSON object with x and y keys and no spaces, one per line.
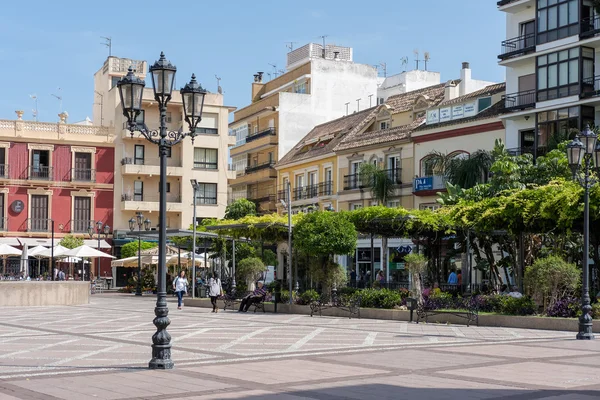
{"x":131,"y":91}
{"x":584,"y":149}
{"x":139,"y":221}
{"x":100,"y":229}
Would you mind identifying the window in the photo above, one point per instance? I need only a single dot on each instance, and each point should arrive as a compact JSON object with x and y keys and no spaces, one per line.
{"x":138,"y":191}
{"x":313,"y":184}
{"x":393,"y":204}
{"x":394,"y":168}
{"x":328,"y":182}
{"x":527,"y":140}
{"x":384,"y":125}
{"x":82,"y":170}
{"x":484,"y":103}
{"x":558,"y":73}
{"x":40,"y":164}
{"x":299,"y":181}
{"x":240,"y":163}
{"x":3,"y":166}
{"x":356,"y":206}
{"x":138,"y":154}
{"x":557,"y":19}
{"x":39,"y":213}
{"x":3,"y":226}
{"x":140,"y":120}
{"x":205,"y":158}
{"x":300,"y":87}
{"x":169,"y":117}
{"x":114,"y":80}
{"x":82,"y":214}
{"x":429,"y":206}
{"x":241,"y":133}
{"x":428,"y":166}
{"x":556,"y":126}
{"x":206,"y":193}
{"x":168,"y":187}
{"x":207,"y":131}
{"x":270,"y":157}
{"x":381,"y":100}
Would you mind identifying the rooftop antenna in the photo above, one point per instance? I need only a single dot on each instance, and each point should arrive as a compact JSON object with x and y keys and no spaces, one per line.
{"x":384,"y":67}
{"x":107,"y":43}
{"x":427,"y":58}
{"x":404,"y":61}
{"x":35,"y":110}
{"x":59,"y":98}
{"x":268,"y":73}
{"x":290,"y":45}
{"x":416,"y":52}
{"x":274,"y":70}
{"x":219,"y":88}
{"x":323,"y":37}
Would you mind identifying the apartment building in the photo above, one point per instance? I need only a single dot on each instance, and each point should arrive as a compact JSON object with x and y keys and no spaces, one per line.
{"x":54,"y":177}
{"x":457,"y":128}
{"x":321,"y":84}
{"x":136,"y":163}
{"x":552,"y":81}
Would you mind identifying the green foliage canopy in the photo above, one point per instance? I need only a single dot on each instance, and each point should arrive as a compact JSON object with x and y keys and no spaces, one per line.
{"x":239,"y":209}
{"x":324,"y":234}
{"x":131,"y":249}
{"x":71,"y":242}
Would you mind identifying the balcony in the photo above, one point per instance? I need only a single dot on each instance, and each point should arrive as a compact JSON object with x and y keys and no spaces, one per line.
{"x":309,"y":192}
{"x":352,"y":182}
{"x":589,"y":27}
{"x":514,"y":6}
{"x":3,"y":224}
{"x":83,"y":175}
{"x":590,"y":87}
{"x":256,"y":136}
{"x":517,"y":46}
{"x":150,"y":166}
{"x":261,"y":195}
{"x":427,"y":185}
{"x":519,"y":101}
{"x":4,"y":171}
{"x":82,"y":225}
{"x":254,"y":168}
{"x":150,"y":202}
{"x":38,"y":224}
{"x":40,"y":173}
{"x":395,"y":175}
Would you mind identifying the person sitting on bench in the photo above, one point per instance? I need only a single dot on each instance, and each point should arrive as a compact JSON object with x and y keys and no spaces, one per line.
{"x":254,"y":297}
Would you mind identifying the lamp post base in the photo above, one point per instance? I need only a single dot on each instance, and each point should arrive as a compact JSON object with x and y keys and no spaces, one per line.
{"x":161,"y":357}
{"x":161,"y":340}
{"x":585,"y":328}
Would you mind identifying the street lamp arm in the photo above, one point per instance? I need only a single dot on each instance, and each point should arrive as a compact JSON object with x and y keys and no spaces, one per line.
{"x":153,"y":136}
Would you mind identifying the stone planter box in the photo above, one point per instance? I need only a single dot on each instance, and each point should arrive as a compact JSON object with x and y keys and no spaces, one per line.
{"x":505,"y":321}
{"x":43,"y":293}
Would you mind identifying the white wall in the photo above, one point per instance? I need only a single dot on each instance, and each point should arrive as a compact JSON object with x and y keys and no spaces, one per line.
{"x":333,"y":83}
{"x":407,"y":82}
{"x":513,"y":21}
{"x":513,"y":126}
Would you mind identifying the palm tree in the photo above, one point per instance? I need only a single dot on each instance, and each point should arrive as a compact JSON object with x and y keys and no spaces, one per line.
{"x":465,"y":172}
{"x":378,"y":180}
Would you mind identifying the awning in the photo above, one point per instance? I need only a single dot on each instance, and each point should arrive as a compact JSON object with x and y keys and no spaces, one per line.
{"x":11,"y":241}
{"x":31,"y":242}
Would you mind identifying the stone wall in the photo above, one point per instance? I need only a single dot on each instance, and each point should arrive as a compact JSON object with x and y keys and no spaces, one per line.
{"x":33,"y":293}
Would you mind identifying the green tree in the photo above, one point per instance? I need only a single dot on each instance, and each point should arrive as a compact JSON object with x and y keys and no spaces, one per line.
{"x":249,"y":269}
{"x":461,"y":169}
{"x":239,"y":209}
{"x":131,"y":249}
{"x":379,"y":181}
{"x":551,"y":279}
{"x":71,"y":242}
{"x":321,"y":235}
{"x":416,"y":265}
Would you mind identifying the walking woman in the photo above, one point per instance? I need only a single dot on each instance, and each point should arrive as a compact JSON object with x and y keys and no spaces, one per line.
{"x":214,"y":290}
{"x":180,"y":285}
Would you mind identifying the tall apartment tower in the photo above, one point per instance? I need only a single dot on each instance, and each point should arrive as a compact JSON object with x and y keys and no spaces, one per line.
{"x":320,"y":84}
{"x":136,"y":162}
{"x":552,"y":82}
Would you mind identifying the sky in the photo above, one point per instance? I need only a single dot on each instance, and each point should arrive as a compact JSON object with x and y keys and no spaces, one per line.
{"x":55,"y":47}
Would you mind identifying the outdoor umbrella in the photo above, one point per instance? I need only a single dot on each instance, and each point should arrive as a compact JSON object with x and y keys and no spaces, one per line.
{"x":34,"y":252}
{"x":58,"y":251}
{"x":6,"y":250}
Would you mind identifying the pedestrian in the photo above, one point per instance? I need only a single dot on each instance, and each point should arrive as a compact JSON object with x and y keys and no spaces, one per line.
{"x":215,"y":290}
{"x":380,"y":276}
{"x":180,"y":286}
{"x":452,"y":278}
{"x":255,"y":297}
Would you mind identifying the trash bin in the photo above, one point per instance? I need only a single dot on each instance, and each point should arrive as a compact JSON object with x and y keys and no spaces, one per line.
{"x":202,"y":290}
{"x":411,"y":304}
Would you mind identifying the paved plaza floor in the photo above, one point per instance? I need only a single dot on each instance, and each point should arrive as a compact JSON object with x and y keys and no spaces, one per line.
{"x":101,"y":351}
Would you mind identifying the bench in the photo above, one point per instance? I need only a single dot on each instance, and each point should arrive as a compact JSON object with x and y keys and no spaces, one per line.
{"x":469,"y":311}
{"x":351,"y":305}
{"x":234,"y":299}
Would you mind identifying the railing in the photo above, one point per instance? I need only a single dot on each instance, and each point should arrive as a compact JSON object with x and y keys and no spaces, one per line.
{"x":40,"y":172}
{"x":266,"y":132}
{"x":589,"y":26}
{"x":207,"y":131}
{"x":38,"y":225}
{"x":326,"y":188}
{"x":171,"y":198}
{"x":254,"y":168}
{"x":352,"y":182}
{"x":3,"y":224}
{"x":517,"y":46}
{"x":260,"y":195}
{"x":58,"y":128}
{"x":282,"y":195}
{"x":519,"y":100}
{"x":83,"y":175}
{"x":81,"y":225}
{"x":590,"y":87}
{"x":155,"y":162}
{"x":395,"y":175}
{"x":310,"y":191}
{"x":4,"y":171}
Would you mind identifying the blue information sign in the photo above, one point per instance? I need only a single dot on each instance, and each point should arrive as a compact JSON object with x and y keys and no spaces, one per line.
{"x":425,"y":183}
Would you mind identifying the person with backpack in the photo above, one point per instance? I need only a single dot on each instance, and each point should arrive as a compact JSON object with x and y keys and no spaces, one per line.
{"x":215,"y":290}
{"x":180,"y":286}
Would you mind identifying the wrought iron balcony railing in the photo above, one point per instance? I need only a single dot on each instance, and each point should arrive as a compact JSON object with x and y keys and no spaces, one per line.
{"x":171,"y":198}
{"x":353,"y":182}
{"x":395,"y":175}
{"x":38,"y":224}
{"x":3,"y":171}
{"x":258,"y":167}
{"x":589,"y":26}
{"x":83,"y":175}
{"x":517,"y":46}
{"x":519,"y":101}
{"x":40,"y":172}
{"x":590,"y":87}
{"x":82,"y":225}
{"x":266,"y":132}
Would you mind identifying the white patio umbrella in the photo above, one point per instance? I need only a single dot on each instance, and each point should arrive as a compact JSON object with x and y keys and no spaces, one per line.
{"x":5,"y":251}
{"x":87,"y":252}
{"x":33,"y":252}
{"x":58,"y":251}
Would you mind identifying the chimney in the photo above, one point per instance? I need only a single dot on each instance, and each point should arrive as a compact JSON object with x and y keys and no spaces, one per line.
{"x":465,"y":77}
{"x":450,"y":90}
{"x":257,"y":86}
